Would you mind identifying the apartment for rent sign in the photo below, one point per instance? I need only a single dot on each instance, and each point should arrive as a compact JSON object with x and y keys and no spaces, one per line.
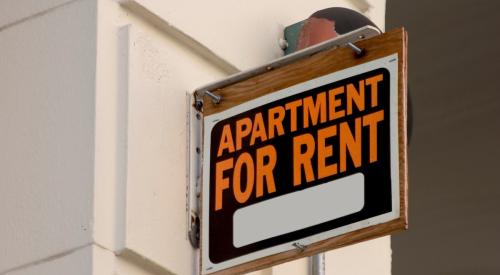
{"x":300,"y":165}
{"x":309,"y":152}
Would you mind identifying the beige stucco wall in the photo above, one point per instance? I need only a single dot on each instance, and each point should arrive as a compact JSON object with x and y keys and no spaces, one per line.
{"x":93,"y":104}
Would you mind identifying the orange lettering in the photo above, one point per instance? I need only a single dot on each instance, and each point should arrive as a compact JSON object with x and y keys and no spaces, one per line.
{"x":371,"y":120}
{"x":275,"y":121}
{"x":334,"y":103}
{"x":292,"y":106}
{"x":356,"y":96}
{"x":314,"y":110}
{"x":221,"y":182}
{"x":239,"y":195}
{"x":243,"y":129}
{"x":265,"y":170}
{"x":351,"y":144}
{"x":303,"y":159}
{"x":325,"y":151}
{"x":259,"y":129}
{"x":226,"y":141}
{"x":373,"y":82}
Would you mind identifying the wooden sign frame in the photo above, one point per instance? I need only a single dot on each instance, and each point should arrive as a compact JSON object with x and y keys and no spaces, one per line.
{"x":326,"y":62}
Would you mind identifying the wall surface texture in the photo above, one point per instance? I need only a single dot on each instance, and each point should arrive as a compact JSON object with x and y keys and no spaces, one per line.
{"x":93,"y":118}
{"x":47,"y":112}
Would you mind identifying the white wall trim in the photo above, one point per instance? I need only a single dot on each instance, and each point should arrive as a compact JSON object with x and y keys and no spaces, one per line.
{"x":154,"y":19}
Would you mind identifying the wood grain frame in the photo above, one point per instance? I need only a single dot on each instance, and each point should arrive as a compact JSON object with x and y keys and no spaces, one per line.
{"x":310,"y":67}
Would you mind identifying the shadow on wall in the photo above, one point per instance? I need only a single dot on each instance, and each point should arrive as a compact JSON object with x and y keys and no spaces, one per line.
{"x":454,"y":157}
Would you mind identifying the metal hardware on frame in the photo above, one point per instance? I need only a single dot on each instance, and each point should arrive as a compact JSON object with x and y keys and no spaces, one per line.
{"x":355,"y":48}
{"x":215,"y":98}
{"x":193,"y":177}
{"x":341,"y":40}
{"x":299,"y":246}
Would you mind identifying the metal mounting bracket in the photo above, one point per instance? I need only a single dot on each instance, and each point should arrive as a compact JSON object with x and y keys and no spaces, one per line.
{"x":347,"y":39}
{"x":193,"y":174}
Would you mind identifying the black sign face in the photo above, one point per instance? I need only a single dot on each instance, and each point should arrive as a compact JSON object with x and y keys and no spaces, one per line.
{"x":307,"y":163}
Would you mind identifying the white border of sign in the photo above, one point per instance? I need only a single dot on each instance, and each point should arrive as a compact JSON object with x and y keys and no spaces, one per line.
{"x":391,"y":64}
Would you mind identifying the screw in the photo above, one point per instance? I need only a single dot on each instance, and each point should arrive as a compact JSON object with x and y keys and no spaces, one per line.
{"x":299,"y":246}
{"x":215,"y":98}
{"x":283,"y":43}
